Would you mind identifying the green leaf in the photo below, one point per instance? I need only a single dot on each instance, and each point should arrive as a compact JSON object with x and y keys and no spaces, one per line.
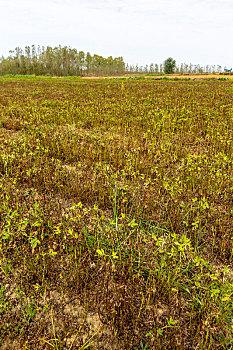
{"x":100,"y":252}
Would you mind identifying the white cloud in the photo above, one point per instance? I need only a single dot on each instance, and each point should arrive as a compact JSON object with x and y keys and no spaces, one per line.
{"x":142,"y":31}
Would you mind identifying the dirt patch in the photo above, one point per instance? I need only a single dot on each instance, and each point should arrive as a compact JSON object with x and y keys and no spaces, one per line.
{"x":62,"y":318}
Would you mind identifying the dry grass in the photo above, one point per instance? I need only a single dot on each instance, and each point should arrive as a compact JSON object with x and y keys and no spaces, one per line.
{"x":170,"y":76}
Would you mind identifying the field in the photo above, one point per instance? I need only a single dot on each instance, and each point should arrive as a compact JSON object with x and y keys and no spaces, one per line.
{"x":116,"y":214}
{"x":187,"y":76}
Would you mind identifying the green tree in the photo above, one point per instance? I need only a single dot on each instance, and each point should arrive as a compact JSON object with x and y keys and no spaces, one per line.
{"x":169,"y":65}
{"x":88,"y":61}
{"x":59,"y":61}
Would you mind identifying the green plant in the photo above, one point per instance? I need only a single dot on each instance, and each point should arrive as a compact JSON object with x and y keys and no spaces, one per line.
{"x":169,"y":65}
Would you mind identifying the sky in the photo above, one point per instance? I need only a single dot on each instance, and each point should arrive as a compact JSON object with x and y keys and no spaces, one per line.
{"x":142,"y":31}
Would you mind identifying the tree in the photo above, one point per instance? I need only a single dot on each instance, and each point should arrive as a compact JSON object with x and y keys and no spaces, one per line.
{"x":88,"y":62}
{"x":169,"y":65}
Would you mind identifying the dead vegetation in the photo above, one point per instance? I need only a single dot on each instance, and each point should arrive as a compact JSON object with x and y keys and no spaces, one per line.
{"x":116,"y":214}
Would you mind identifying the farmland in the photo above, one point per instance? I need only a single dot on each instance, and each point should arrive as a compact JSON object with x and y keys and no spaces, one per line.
{"x":116,"y":214}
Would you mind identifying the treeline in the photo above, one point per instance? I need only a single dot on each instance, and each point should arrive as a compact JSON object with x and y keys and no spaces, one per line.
{"x":59,"y":61}
{"x":182,"y":68}
{"x":66,"y":61}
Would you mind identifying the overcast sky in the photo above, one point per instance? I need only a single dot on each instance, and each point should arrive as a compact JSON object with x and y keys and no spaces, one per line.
{"x":142,"y":31}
